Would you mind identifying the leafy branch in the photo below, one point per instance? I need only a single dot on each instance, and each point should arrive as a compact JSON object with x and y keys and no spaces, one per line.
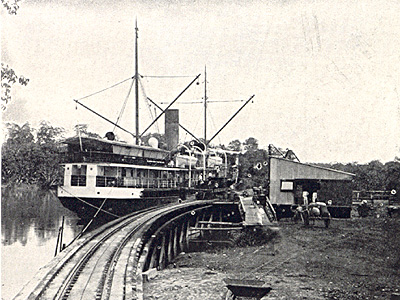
{"x":11,"y":6}
{"x":8,"y":78}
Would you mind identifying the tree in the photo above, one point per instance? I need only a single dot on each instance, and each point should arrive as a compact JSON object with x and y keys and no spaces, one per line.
{"x":221,"y":146}
{"x":253,"y":169}
{"x":392,"y":177}
{"x":48,"y":134}
{"x":47,"y":156}
{"x":251,"y":144}
{"x":29,"y":159}
{"x":17,"y":162}
{"x":235,"y":145}
{"x":371,"y":176}
{"x":19,"y":135}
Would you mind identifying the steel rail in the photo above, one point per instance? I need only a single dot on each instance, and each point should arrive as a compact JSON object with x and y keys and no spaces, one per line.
{"x":104,"y":287}
{"x":65,"y":288}
{"x":111,"y":254}
{"x":136,"y":251}
{"x":56,"y":280}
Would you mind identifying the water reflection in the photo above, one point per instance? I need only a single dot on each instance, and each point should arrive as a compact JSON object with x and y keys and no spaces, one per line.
{"x":24,"y":208}
{"x":30,"y":221}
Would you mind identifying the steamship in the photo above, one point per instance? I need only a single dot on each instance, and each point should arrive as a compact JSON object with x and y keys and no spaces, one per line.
{"x":114,"y":178}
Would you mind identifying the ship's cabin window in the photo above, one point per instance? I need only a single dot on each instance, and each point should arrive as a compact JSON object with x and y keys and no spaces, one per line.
{"x":128,"y":172}
{"x":141,"y":173}
{"x":100,"y":171}
{"x":78,"y":170}
{"x":78,"y":175}
{"x":110,"y":172}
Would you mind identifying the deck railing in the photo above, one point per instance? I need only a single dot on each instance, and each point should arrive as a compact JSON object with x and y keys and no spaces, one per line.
{"x":135,"y":182}
{"x":130,"y":182}
{"x":78,"y":180}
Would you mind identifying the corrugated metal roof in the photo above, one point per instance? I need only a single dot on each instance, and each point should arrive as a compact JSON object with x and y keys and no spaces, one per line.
{"x":296,"y":170}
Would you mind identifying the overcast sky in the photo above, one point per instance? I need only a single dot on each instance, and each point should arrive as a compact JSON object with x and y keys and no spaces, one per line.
{"x":325,"y":74}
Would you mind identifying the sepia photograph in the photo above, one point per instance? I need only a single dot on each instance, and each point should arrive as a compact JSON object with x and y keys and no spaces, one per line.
{"x":200,"y":149}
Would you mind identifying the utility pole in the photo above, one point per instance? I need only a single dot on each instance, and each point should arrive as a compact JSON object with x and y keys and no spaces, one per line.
{"x":136,"y":85}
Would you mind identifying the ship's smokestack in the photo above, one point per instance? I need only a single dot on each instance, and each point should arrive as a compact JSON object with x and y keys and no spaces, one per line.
{"x":172,"y":128}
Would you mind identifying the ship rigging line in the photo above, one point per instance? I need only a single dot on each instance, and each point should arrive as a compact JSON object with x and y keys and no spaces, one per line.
{"x":213,"y":123}
{"x":208,"y":101}
{"x":208,"y":142}
{"x":181,"y":126}
{"x":166,"y":76}
{"x":90,"y":222}
{"x":90,"y":204}
{"x":159,"y":116}
{"x":96,"y":113}
{"x":149,"y":105}
{"x":110,"y":87}
{"x":95,"y":215}
{"x":124,"y":105}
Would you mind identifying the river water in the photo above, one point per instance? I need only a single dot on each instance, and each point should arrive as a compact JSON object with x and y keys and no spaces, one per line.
{"x":30,"y":222}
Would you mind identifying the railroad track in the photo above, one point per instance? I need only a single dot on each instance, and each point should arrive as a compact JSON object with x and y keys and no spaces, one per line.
{"x":105,"y":263}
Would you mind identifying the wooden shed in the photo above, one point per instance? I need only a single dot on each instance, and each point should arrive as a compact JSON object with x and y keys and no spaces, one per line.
{"x":291,"y":181}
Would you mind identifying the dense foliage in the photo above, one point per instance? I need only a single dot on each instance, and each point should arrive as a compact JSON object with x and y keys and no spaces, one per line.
{"x":31,"y":156}
{"x":373,"y":176}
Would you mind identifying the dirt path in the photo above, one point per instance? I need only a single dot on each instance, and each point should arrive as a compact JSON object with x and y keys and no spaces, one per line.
{"x":353,"y":259}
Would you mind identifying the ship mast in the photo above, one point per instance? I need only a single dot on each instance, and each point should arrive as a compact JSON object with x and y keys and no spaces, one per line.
{"x":136,"y":85}
{"x":205,"y":105}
